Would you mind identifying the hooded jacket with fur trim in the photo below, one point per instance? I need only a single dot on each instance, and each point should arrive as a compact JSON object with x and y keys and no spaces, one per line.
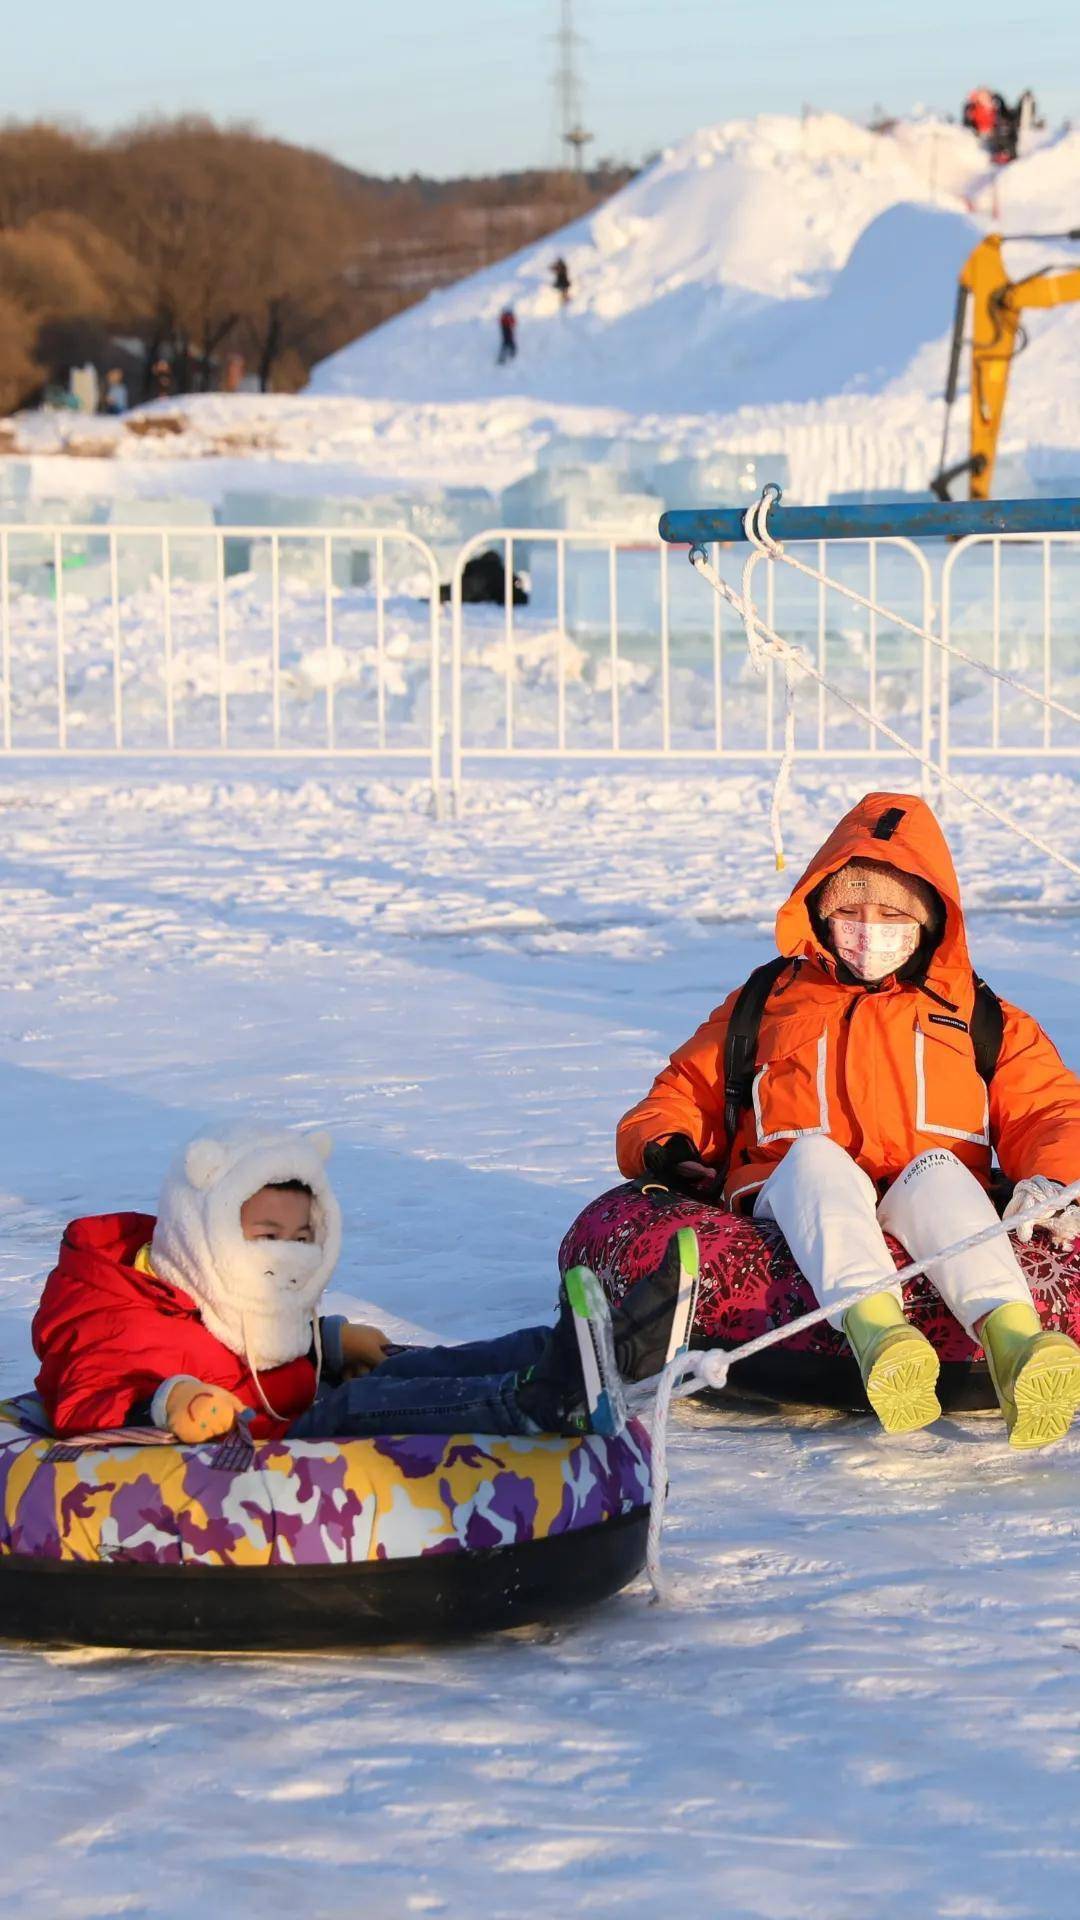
{"x":886,"y":1070}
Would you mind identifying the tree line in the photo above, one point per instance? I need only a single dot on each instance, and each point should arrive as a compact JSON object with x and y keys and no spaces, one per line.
{"x":184,"y":242}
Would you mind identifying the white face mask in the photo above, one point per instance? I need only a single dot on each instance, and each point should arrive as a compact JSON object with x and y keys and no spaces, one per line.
{"x":873,"y":948}
{"x":259,"y":1297}
{"x":274,"y":1288}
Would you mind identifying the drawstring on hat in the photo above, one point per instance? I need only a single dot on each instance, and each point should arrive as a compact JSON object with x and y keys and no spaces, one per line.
{"x":316,"y":1335}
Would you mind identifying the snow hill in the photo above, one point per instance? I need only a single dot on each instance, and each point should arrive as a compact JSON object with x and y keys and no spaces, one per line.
{"x":761,"y":264}
{"x":774,"y":297}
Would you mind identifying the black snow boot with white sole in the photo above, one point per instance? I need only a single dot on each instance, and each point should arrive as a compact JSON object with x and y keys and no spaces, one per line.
{"x":654,"y":1319}
{"x":575,"y":1387}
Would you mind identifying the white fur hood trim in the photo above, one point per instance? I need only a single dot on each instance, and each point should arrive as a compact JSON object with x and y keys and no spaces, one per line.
{"x":259,"y":1297}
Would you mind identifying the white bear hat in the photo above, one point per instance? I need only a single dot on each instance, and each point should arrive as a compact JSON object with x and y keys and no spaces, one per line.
{"x":257,"y":1296}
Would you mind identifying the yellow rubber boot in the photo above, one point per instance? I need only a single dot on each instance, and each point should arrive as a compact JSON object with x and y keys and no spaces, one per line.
{"x":1036,"y":1375}
{"x":898,"y":1365}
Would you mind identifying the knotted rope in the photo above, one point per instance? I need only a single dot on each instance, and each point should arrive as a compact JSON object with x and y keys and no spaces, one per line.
{"x":764,"y":643}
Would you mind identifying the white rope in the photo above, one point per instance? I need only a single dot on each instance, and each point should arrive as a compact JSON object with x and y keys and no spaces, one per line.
{"x":756,"y":529}
{"x":782,"y":783}
{"x":709,"y":1367}
{"x":316,"y":1334}
{"x":772,"y":551}
{"x":763,"y":641}
{"x":661,"y":1416}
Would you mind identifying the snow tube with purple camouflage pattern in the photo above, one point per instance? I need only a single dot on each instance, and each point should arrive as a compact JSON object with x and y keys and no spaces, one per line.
{"x":129,"y":1539}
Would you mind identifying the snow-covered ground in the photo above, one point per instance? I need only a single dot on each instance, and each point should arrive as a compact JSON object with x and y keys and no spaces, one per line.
{"x":776,"y":286}
{"x":791,"y":281}
{"x":864,"y":1698}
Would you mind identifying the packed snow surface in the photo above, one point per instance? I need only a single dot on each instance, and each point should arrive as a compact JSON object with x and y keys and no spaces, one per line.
{"x":693,"y":280}
{"x":783,"y":276}
{"x":777,"y":286}
{"x":864,"y":1696}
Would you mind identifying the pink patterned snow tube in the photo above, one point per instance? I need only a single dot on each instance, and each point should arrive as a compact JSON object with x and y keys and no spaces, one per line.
{"x":750,"y":1284}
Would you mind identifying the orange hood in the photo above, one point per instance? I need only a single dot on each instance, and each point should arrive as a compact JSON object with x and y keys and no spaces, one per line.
{"x":899,"y":830}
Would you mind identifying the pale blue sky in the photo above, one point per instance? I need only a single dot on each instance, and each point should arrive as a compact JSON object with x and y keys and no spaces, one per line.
{"x":464,"y":86}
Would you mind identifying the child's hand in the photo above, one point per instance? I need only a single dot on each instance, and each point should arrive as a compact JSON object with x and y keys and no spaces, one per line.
{"x":197,"y":1412}
{"x":677,"y":1160}
{"x":362,"y":1348}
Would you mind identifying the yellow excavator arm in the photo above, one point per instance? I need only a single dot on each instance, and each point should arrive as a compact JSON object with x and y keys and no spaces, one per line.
{"x":997,"y":304}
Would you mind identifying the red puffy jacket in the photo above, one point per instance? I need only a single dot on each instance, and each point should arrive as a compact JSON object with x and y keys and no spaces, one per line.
{"x":107,"y":1335}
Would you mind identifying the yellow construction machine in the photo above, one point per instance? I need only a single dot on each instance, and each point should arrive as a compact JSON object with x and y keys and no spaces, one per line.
{"x":996,"y":335}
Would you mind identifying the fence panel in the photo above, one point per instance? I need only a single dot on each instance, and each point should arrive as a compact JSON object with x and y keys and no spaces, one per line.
{"x":194,"y":640}
{"x":604,"y":648}
{"x":148,"y":640}
{"x":1011,"y":602}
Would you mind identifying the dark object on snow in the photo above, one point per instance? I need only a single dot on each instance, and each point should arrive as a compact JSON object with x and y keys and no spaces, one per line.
{"x":507,"y":335}
{"x":560,"y":278}
{"x":484,"y":579}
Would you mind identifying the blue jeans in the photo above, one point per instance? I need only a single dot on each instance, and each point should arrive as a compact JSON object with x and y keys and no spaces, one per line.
{"x":465,"y":1389}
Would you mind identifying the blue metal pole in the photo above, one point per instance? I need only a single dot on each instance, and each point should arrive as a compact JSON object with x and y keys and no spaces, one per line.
{"x":915,"y":521}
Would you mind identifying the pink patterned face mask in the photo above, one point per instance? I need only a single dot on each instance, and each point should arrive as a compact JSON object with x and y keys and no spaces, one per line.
{"x":873,"y":948}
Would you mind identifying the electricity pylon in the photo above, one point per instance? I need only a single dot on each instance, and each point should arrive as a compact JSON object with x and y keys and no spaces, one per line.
{"x":573,"y":137}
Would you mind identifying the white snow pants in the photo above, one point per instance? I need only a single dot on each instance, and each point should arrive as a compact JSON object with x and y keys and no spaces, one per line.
{"x":828,"y":1211}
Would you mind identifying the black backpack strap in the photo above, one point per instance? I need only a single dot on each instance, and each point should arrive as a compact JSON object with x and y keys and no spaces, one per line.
{"x":987,"y":1029}
{"x":741,"y":1042}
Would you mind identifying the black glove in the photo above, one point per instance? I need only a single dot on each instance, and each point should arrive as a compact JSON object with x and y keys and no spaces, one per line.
{"x":662,"y":1160}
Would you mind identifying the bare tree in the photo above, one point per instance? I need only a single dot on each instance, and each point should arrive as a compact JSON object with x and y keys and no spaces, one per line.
{"x":39,"y":170}
{"x":196,"y":238}
{"x":298,"y":241}
{"x":20,"y":373}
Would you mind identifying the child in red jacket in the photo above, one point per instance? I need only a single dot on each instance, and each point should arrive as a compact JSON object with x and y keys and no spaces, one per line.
{"x":142,"y":1316}
{"x":208,"y":1314}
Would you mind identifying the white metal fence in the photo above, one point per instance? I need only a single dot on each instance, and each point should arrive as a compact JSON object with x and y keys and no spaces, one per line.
{"x":620,"y":655}
{"x":1012,"y":602}
{"x":144,"y":639}
{"x":197,"y":640}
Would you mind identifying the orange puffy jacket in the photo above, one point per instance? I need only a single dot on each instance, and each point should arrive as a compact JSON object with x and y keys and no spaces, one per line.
{"x":886,"y":1071}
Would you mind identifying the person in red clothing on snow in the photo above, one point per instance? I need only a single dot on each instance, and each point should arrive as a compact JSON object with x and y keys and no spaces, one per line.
{"x":207,"y":1315}
{"x":183,"y":1321}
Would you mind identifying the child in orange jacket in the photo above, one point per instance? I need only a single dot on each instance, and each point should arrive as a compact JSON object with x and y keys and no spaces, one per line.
{"x":867,"y":1114}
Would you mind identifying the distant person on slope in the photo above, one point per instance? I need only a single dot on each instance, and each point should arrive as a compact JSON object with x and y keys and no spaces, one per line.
{"x":865,"y":1113}
{"x":999,"y":126}
{"x":507,"y":335}
{"x":560,"y":279}
{"x":981,"y":110}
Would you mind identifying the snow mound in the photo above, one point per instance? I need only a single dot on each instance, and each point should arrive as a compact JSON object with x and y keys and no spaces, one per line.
{"x":695,"y":270}
{"x":884,"y":306}
{"x":764,"y":261}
